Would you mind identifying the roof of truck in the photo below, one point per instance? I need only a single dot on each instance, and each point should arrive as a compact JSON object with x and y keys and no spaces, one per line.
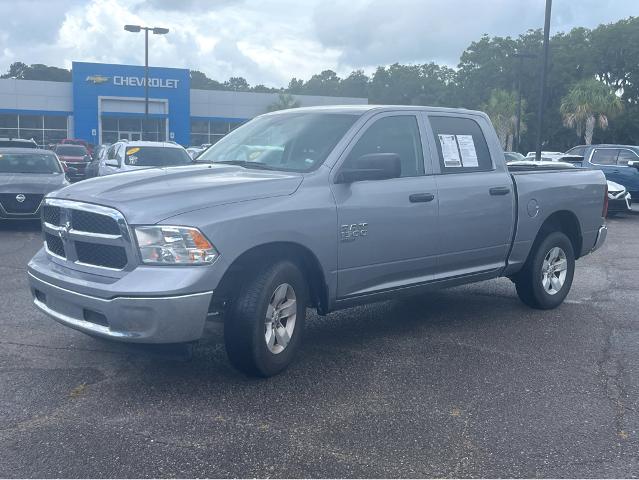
{"x":361,"y":109}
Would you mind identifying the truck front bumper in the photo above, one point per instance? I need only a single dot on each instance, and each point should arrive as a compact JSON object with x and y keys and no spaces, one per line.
{"x":601,"y":237}
{"x":142,"y":319}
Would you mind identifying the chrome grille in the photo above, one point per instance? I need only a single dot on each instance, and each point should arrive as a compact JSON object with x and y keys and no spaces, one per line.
{"x":87,"y":237}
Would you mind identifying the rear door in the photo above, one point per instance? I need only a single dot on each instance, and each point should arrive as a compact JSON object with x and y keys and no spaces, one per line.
{"x":387,"y":228}
{"x":605,"y":159}
{"x":475,"y":192}
{"x":629,"y":175}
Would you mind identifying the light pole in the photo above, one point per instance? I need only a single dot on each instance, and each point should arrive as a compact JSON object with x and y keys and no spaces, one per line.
{"x":544,"y":68}
{"x":156,"y":31}
{"x":521,"y":57}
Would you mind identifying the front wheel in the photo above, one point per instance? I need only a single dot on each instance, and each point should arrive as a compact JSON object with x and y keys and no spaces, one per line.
{"x":547,"y":276}
{"x":264,"y":329}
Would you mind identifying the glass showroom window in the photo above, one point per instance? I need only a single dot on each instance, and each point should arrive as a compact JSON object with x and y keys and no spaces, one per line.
{"x":44,"y":129}
{"x":210,"y":131}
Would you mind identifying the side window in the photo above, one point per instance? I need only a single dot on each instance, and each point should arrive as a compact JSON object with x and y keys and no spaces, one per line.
{"x":398,"y":135}
{"x":625,"y":156}
{"x":461,"y":145}
{"x":604,"y":156}
{"x":111,"y":152}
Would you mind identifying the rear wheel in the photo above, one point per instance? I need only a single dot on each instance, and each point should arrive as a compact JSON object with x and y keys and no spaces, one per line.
{"x":547,"y":276}
{"x":264,"y":329}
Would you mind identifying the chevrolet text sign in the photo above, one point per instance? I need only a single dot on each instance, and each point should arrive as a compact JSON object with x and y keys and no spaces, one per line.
{"x":93,"y":83}
{"x":121,"y":80}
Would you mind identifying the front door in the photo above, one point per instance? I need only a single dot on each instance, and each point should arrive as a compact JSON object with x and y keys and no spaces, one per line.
{"x":387,"y":228}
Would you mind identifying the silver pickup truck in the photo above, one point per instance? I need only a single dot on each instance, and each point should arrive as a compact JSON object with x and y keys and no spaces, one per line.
{"x":313,"y":207}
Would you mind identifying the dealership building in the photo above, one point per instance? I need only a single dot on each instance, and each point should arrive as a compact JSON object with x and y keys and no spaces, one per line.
{"x":105,"y":102}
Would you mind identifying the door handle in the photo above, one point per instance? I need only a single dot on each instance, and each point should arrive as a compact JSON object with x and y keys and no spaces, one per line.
{"x":499,"y":191}
{"x":421,"y":197}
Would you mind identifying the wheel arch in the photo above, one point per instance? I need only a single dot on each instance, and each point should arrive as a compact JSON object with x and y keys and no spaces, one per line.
{"x":280,"y":250}
{"x":563,"y":221}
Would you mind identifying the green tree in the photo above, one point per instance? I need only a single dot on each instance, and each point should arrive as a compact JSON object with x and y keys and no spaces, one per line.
{"x":284,"y":102}
{"x":237,"y":84}
{"x":37,"y":71}
{"x":502,"y":110}
{"x":588,"y":103}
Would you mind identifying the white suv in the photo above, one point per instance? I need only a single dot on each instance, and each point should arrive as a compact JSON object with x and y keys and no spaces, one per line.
{"x":124,"y":156}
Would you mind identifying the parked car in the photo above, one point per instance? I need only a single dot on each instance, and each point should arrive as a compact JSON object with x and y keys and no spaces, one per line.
{"x":578,"y":150}
{"x":26,"y":175}
{"x":74,"y":158}
{"x":619,"y":163}
{"x":98,"y":150}
{"x":341,"y":206}
{"x":77,"y":141}
{"x":125,"y":156}
{"x":619,"y":199}
{"x":513,"y":156}
{"x":546,"y":155}
{"x":17,"y":143}
{"x":194,"y":151}
{"x":99,"y":157}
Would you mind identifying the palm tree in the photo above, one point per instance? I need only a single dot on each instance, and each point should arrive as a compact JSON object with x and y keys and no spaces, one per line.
{"x":502,"y":110}
{"x":284,"y":101}
{"x":589,"y":102}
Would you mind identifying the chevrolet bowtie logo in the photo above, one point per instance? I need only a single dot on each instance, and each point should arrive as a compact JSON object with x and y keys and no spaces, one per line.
{"x":97,"y":79}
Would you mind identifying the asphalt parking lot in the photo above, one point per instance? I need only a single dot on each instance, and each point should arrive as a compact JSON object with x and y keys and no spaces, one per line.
{"x":466,"y":382}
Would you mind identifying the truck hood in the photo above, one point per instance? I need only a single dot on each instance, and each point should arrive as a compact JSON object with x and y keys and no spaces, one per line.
{"x":154,"y":194}
{"x":31,"y":182}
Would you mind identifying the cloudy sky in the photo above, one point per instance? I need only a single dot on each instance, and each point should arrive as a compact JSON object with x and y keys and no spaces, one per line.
{"x":270,"y":41}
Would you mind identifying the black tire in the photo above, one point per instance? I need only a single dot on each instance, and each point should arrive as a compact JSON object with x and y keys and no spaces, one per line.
{"x":529,"y":283}
{"x":244,"y":326}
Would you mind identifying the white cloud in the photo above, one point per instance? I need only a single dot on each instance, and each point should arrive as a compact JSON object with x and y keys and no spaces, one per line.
{"x":270,"y":41}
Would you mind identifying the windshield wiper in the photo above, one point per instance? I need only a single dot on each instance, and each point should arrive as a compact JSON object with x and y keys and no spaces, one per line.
{"x":247,"y":164}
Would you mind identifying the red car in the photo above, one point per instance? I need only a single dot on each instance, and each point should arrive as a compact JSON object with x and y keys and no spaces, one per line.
{"x":77,"y":141}
{"x":74,"y":158}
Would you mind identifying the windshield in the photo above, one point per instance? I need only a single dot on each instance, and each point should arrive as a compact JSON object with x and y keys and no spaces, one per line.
{"x":156,"y":157}
{"x":297,"y":142}
{"x":17,"y":143}
{"x":29,"y":163}
{"x":71,"y":150}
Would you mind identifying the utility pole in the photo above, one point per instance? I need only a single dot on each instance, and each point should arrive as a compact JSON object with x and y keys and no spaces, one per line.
{"x":544,"y":68}
{"x":156,"y":31}
{"x":146,"y":74}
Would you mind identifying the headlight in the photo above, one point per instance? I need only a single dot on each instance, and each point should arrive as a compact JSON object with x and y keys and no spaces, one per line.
{"x":166,"y":245}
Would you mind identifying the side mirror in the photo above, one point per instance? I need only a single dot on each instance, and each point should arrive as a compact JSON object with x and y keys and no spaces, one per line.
{"x":372,"y":166}
{"x":633,"y":163}
{"x":112,"y":162}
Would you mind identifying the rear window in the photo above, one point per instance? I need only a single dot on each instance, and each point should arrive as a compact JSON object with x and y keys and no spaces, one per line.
{"x":29,"y":163}
{"x":461,"y":145}
{"x":156,"y":157}
{"x":71,"y":150}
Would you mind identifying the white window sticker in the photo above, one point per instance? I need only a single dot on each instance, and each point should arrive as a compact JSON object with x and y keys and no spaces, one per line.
{"x":467,"y":149}
{"x":449,"y":150}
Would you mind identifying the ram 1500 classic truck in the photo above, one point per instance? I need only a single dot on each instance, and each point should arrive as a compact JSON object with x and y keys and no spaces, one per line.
{"x":323,"y":207}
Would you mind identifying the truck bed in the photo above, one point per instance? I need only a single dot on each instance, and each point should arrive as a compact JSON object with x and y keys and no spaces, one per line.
{"x":540,"y":189}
